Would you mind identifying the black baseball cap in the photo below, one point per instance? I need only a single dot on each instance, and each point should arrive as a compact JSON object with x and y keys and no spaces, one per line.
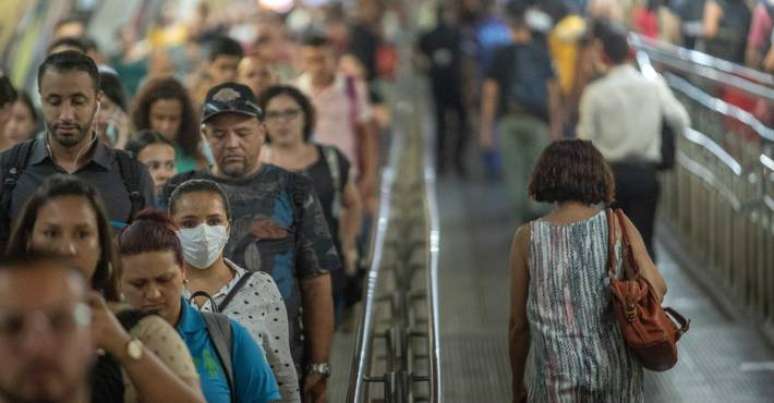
{"x":230,"y":98}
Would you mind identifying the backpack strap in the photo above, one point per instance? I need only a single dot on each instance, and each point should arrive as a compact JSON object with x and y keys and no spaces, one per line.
{"x":333,"y":166}
{"x":233,"y":292}
{"x":219,"y":329}
{"x":12,"y":169}
{"x":130,"y":173}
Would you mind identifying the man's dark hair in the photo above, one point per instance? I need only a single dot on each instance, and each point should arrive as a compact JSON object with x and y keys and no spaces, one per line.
{"x":70,"y":60}
{"x":614,"y":40}
{"x":302,"y":100}
{"x":572,"y":171}
{"x":198,"y":186}
{"x":7,"y":92}
{"x":225,"y":46}
{"x":70,"y":42}
{"x":316,"y":40}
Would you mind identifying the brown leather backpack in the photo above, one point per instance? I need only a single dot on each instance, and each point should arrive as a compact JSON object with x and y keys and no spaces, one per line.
{"x":650,"y":331}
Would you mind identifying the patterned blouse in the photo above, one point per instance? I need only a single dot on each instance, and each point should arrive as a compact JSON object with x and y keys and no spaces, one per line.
{"x":259,"y":307}
{"x":578,"y":352}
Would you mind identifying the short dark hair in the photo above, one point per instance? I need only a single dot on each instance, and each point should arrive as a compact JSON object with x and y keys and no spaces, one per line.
{"x":151,"y":231}
{"x":61,"y":185}
{"x":225,"y":46}
{"x":7,"y":92}
{"x":70,"y":42}
{"x":70,"y":60}
{"x":111,"y":86}
{"x":615,"y":41}
{"x":310,"y":117}
{"x":316,"y":39}
{"x":144,"y":138}
{"x":572,"y":170}
{"x":164,"y":88}
{"x":198,"y":186}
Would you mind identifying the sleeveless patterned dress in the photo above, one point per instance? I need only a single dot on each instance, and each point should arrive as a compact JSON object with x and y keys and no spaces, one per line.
{"x":577,"y":351}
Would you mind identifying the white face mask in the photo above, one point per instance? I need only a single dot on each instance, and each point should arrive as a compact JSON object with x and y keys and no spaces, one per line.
{"x":203,"y":244}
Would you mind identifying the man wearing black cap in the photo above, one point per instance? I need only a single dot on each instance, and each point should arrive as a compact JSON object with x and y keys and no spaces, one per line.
{"x":277,"y":226}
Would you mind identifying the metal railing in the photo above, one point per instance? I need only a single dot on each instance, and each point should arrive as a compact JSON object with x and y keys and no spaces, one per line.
{"x":719,"y":200}
{"x":397,"y":354}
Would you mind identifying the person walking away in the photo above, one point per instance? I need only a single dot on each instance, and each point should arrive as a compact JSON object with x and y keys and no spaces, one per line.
{"x":520,"y":91}
{"x":560,"y":304}
{"x":622,"y":114}
{"x":442,"y":51}
{"x":726,"y":24}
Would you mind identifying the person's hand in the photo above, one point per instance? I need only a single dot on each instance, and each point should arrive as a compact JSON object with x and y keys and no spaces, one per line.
{"x":367,"y":185}
{"x":315,"y":386}
{"x":108,"y":333}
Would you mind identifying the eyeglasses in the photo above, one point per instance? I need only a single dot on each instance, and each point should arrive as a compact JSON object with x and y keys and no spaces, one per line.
{"x":286,"y":115}
{"x":59,"y":321}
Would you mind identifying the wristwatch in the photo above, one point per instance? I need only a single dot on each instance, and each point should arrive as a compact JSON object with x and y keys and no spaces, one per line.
{"x":134,"y":349}
{"x":320,"y":368}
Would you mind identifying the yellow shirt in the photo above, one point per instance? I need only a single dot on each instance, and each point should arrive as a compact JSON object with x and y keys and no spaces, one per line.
{"x":563,"y":44}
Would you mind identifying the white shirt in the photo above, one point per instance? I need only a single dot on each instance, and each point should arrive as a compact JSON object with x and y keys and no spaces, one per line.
{"x":622,"y":114}
{"x":259,"y":307}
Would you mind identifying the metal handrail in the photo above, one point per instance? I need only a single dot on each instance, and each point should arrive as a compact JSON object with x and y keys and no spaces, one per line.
{"x":718,"y":200}
{"x":434,"y":246}
{"x":719,"y":106}
{"x":364,"y":342}
{"x":699,"y":59}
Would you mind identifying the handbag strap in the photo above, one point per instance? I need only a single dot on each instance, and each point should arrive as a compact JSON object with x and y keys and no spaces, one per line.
{"x":628,"y":251}
{"x":611,"y":266}
{"x":233,"y":292}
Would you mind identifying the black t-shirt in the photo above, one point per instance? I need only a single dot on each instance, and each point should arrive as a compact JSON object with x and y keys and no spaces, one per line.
{"x":522,"y":72}
{"x":443,"y":47}
{"x":322,"y":180}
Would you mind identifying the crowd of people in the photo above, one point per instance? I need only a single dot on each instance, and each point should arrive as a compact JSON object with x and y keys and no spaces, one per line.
{"x":186,"y":228}
{"x":188,"y":220}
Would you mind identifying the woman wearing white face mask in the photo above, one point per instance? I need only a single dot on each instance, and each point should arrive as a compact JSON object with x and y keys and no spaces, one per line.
{"x":201,"y":210}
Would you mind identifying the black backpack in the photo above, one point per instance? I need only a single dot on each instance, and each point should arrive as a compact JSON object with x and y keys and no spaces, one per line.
{"x":528,"y":87}
{"x":17,"y":158}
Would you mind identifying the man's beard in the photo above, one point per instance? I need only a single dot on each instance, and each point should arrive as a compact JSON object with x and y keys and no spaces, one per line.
{"x":70,"y":141}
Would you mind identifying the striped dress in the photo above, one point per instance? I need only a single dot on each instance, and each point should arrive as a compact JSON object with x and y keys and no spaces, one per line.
{"x":577,"y":351}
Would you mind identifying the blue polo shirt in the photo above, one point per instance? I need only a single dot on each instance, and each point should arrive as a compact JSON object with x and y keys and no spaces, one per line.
{"x":255,"y":382}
